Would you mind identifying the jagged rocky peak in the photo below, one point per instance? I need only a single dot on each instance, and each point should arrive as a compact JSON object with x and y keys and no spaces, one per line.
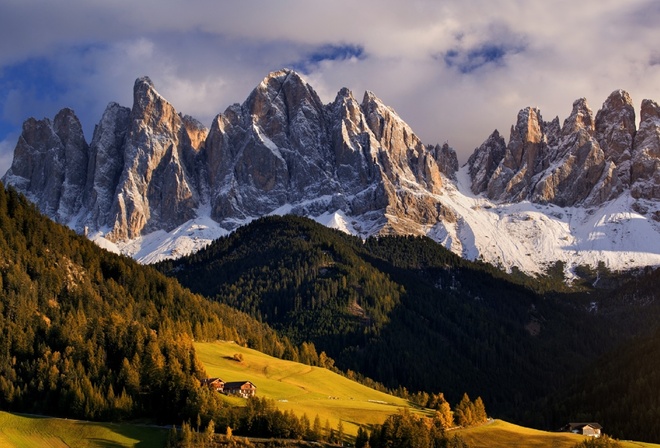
{"x":645,"y":167}
{"x":50,"y":163}
{"x":587,"y":161}
{"x":484,"y":161}
{"x":287,"y":110}
{"x":156,"y":189}
{"x":270,"y":151}
{"x":447,"y":160}
{"x":581,"y":118}
{"x":525,"y":155}
{"x":615,"y":126}
{"x":106,"y":162}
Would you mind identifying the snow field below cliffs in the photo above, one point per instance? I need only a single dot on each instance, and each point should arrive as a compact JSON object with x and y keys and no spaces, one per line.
{"x":529,"y":236}
{"x":535,"y":236}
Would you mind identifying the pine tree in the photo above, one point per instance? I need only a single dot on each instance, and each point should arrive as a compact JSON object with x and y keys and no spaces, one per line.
{"x":443,"y":416}
{"x":210,"y":431}
{"x":463,"y":411}
{"x":480,"y":415}
{"x":327,"y":431}
{"x":317,"y":429}
{"x":362,"y":438}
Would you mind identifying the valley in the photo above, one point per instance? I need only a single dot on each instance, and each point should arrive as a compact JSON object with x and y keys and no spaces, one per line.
{"x":360,"y":273}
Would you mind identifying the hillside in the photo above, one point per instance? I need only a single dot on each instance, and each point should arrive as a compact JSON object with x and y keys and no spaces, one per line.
{"x":299,"y":387}
{"x":89,"y":334}
{"x":620,"y":391}
{"x":501,"y":434}
{"x":20,"y":431}
{"x":408,"y":313}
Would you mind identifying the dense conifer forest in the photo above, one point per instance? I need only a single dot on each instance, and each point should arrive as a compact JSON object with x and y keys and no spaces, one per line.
{"x":410,"y":314}
{"x":88,"y":334}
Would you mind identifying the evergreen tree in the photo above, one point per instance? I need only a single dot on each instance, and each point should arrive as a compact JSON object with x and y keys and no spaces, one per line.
{"x":480,"y":415}
{"x":317,"y":429}
{"x":463,"y":413}
{"x":340,"y":431}
{"x":443,"y":416}
{"x":362,"y":438}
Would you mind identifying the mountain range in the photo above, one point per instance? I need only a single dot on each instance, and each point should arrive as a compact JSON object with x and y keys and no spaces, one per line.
{"x":155,"y":184}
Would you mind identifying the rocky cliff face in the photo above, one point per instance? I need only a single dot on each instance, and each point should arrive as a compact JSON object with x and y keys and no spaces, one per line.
{"x":137,"y":175}
{"x":155,"y":184}
{"x":587,"y":161}
{"x":149,"y":168}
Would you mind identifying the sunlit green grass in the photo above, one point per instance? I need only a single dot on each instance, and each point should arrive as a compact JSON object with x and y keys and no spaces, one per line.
{"x":301,"y":388}
{"x":502,"y":434}
{"x":316,"y":391}
{"x":19,"y":431}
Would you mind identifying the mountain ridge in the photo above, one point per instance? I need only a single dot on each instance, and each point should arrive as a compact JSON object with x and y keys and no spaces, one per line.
{"x":154,"y":183}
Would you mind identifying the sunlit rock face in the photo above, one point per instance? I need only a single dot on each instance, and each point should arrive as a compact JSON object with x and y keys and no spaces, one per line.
{"x":155,"y":184}
{"x":645,"y":163}
{"x":587,"y":161}
{"x":151,"y":168}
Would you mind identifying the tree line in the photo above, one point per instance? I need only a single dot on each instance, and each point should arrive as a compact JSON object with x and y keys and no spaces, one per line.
{"x":89,"y":334}
{"x":403,"y":313}
{"x":261,"y":418}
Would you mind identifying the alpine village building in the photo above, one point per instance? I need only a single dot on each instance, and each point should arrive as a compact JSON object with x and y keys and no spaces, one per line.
{"x":243,"y":389}
{"x":591,"y":429}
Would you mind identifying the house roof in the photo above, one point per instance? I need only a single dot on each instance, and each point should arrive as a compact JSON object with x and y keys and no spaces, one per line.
{"x":211,"y":380}
{"x":582,"y":425}
{"x":237,"y":384}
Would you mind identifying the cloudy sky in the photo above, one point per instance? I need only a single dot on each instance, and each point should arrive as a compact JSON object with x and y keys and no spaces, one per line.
{"x":455,"y":70}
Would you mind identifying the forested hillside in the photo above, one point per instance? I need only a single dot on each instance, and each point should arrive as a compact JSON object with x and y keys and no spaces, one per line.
{"x":88,"y":334}
{"x":408,"y":313}
{"x":621,"y":389}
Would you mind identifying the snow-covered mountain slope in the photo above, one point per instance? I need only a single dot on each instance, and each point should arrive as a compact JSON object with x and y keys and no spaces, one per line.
{"x":529,"y":236}
{"x":156,"y":184}
{"x":534,"y":236}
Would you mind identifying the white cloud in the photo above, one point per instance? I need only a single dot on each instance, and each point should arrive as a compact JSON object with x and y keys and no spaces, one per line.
{"x":205,"y":55}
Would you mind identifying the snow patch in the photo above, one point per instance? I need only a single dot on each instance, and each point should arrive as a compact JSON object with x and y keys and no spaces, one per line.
{"x":157,"y":246}
{"x":533,"y":237}
{"x":336,"y":220}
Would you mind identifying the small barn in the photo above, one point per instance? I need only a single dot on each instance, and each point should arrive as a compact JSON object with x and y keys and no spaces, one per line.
{"x":243,"y":389}
{"x":590,"y":429}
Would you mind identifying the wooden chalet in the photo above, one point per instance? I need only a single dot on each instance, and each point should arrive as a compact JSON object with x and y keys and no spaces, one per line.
{"x":591,"y":429}
{"x":243,"y":389}
{"x":214,"y":383}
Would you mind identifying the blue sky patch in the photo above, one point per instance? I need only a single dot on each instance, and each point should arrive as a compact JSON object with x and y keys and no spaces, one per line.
{"x":328,"y":53}
{"x":35,"y":75}
{"x":467,"y":61}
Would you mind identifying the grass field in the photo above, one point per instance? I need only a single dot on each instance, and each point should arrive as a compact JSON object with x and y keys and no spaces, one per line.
{"x":313,"y":391}
{"x":19,"y":431}
{"x":502,"y":434}
{"x":301,"y":388}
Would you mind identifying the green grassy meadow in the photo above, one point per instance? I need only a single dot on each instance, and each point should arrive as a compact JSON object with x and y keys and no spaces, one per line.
{"x":301,"y":388}
{"x":313,"y":390}
{"x":294,"y":386}
{"x":20,"y":431}
{"x":503,"y":434}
